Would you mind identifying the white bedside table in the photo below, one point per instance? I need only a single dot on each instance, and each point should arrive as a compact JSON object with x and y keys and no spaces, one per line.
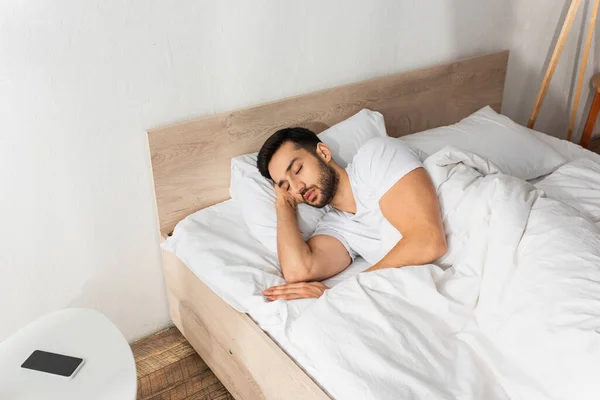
{"x":108,"y":371}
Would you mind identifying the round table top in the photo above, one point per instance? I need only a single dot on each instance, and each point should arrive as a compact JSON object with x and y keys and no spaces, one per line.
{"x":108,"y":371}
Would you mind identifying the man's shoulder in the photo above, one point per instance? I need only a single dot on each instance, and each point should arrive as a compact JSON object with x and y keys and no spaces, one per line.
{"x":382,"y":162}
{"x":377,"y":149}
{"x":374,"y":144}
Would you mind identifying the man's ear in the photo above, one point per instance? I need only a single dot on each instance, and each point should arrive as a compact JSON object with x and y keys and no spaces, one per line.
{"x":324,"y":152}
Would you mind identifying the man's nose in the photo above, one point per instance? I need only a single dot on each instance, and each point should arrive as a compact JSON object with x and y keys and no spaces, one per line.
{"x":297,"y":187}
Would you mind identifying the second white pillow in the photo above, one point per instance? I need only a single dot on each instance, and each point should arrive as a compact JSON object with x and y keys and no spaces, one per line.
{"x":512,"y":147}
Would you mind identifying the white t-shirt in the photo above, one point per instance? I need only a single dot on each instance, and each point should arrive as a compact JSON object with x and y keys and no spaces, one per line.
{"x":376,"y":167}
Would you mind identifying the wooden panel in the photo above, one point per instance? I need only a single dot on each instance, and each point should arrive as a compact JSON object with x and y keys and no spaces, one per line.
{"x":157,"y":344}
{"x":196,"y":386}
{"x":191,"y":160}
{"x":168,"y":378}
{"x":588,"y":129}
{"x":211,"y":393}
{"x":170,"y":368}
{"x":242,"y":356}
{"x":162,"y":349}
{"x":595,"y":145}
{"x":178,"y":352}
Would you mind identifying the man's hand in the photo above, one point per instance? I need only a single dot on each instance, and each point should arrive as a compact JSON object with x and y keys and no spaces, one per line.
{"x":292,"y":291}
{"x":284,"y":198}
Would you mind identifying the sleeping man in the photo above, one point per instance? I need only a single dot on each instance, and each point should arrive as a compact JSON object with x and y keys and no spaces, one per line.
{"x":384,"y":181}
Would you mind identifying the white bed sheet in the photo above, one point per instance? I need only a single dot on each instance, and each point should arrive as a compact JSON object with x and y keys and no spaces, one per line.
{"x":394,"y":309}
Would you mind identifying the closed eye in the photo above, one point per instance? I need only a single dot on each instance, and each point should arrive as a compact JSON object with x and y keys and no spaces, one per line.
{"x":299,"y":169}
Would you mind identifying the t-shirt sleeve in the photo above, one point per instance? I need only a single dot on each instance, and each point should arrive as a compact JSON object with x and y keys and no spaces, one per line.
{"x":332,"y":224}
{"x":382,"y":162}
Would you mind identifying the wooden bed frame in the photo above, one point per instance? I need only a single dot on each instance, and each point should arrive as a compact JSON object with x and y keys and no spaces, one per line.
{"x":191,"y":166}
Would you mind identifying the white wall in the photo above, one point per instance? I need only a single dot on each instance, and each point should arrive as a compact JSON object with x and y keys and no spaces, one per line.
{"x":81,"y":81}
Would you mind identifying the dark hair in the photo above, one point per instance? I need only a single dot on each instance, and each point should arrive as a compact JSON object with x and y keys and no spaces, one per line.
{"x":301,"y":137}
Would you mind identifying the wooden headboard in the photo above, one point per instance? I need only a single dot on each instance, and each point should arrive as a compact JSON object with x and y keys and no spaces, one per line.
{"x":191,"y":160}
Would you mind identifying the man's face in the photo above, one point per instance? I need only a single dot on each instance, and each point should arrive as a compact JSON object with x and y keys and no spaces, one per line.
{"x":304,"y":175}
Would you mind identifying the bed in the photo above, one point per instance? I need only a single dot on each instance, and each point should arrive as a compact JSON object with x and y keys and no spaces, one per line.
{"x":191,"y":168}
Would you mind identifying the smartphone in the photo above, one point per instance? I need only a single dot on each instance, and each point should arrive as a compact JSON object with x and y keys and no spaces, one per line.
{"x":52,"y":363}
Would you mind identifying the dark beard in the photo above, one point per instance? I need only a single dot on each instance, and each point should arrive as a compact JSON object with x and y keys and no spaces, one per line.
{"x":328,"y":184}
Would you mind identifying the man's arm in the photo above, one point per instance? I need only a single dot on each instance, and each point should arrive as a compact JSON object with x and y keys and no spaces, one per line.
{"x":320,"y":258}
{"x":412,"y":207}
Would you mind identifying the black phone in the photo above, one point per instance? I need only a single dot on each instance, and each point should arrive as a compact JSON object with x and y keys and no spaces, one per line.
{"x":53,"y":363}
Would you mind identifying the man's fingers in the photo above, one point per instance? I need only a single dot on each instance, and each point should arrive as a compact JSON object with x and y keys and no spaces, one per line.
{"x":279,"y":191}
{"x":286,"y":286}
{"x":291,"y":291}
{"x":291,"y":285}
{"x":282,"y":291}
{"x":292,"y":296}
{"x":289,"y":296}
{"x":285,"y":296}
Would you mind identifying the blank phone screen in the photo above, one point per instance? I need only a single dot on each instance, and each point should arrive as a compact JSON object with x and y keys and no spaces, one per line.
{"x":52,"y":363}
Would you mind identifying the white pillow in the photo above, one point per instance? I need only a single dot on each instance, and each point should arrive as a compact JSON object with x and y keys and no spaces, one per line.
{"x":570,"y":151}
{"x":255,"y":195}
{"x":344,"y":139}
{"x":514,"y":148}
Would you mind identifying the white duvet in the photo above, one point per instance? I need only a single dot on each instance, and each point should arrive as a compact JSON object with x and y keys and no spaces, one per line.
{"x":514,"y":314}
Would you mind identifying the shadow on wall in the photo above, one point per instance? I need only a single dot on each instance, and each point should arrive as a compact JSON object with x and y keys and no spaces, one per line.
{"x":555,"y":112}
{"x":585,"y":104}
{"x":120,"y":306}
{"x":526,"y":35}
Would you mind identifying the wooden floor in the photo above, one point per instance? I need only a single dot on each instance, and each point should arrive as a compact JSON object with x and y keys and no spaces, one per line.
{"x":169,"y":368}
